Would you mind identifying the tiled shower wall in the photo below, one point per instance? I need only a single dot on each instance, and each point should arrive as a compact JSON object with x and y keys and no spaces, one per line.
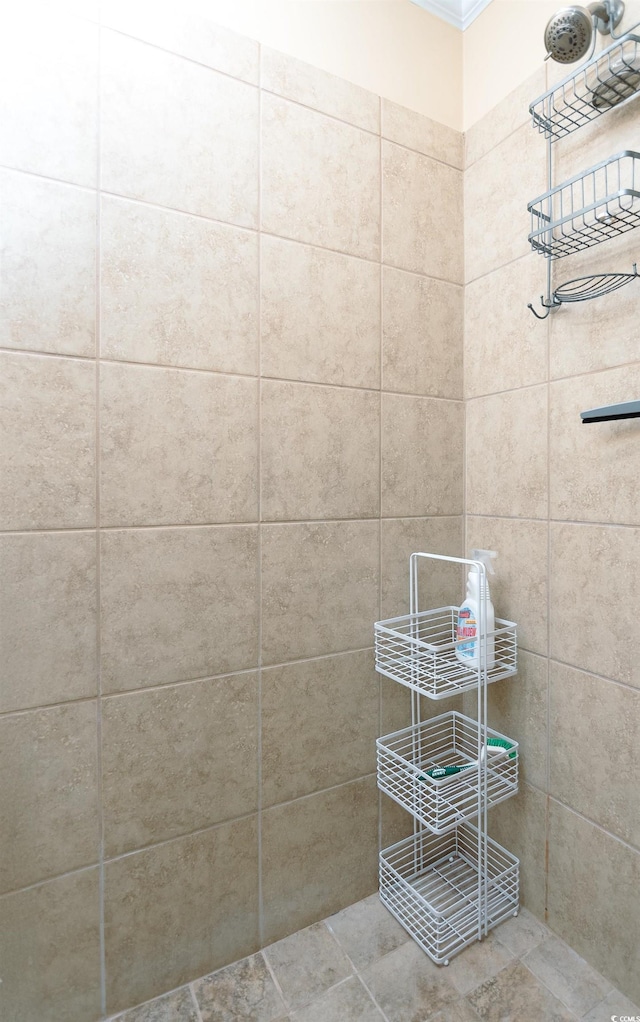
{"x":231,"y":332}
{"x":559,"y":500}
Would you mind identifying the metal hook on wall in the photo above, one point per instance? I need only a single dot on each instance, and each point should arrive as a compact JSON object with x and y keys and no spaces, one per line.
{"x":549,"y":305}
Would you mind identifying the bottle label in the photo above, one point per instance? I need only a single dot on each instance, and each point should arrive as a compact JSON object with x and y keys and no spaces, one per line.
{"x":467,"y":629}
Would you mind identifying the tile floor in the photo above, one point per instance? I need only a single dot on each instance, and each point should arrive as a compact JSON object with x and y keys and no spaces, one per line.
{"x":361,"y":966}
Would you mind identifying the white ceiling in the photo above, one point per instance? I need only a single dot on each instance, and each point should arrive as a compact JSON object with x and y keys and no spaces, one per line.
{"x":457,"y":12}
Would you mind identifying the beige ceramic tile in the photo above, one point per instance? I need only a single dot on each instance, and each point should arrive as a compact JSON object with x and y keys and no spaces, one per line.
{"x":614,"y":1003}
{"x":439,"y":584}
{"x":320,"y":315}
{"x":478,"y":963}
{"x":395,"y":706}
{"x":422,"y":214}
{"x":50,"y":951}
{"x":320,"y":452}
{"x":595,"y":736}
{"x":320,"y":179}
{"x":523,"y":933}
{"x":307,"y":963}
{"x":306,"y":84}
{"x":184,"y":32}
{"x":496,"y":191}
{"x":197,"y":465}
{"x":177,"y":290}
{"x":507,"y":454}
{"x":367,"y":931}
{"x":459,"y":1011}
{"x":422,"y":334}
{"x":594,"y":897}
{"x":422,"y":456}
{"x":47,"y":260}
{"x":407,"y":985}
{"x":48,"y":81}
{"x":516,"y":993}
{"x":348,"y":1002}
{"x":594,"y":471}
{"x":504,"y":119}
{"x":48,"y":797}
{"x":180,"y":910}
{"x":519,"y":588}
{"x":567,"y":975}
{"x":178,"y":759}
{"x":598,"y":334}
{"x":518,"y":708}
{"x":505,"y":346}
{"x":307,"y":844}
{"x":197,"y":615}
{"x":594,"y":592}
{"x":178,"y":1006}
{"x":48,"y":612}
{"x":177,"y":134}
{"x":319,"y":588}
{"x":395,"y":822}
{"x":47,"y":441}
{"x":519,"y":824}
{"x":244,"y":990}
{"x":319,"y":724}
{"x":413,"y":130}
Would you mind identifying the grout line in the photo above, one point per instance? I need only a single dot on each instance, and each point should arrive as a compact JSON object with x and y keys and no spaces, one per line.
{"x":548,"y":622}
{"x":167,"y":993}
{"x":356,"y":972}
{"x":258,"y":230}
{"x":186,"y":681}
{"x":276,"y":522}
{"x":554,"y":993}
{"x":381,"y":308}
{"x":195,"y":1002}
{"x":261,"y":921}
{"x":503,"y":138}
{"x":98,"y":424}
{"x":377,"y":133}
{"x":265,"y":958}
{"x":48,"y":880}
{"x":594,"y":823}
{"x":152,"y":845}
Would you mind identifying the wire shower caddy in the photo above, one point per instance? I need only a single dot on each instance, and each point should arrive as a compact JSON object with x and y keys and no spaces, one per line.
{"x":603,"y":201}
{"x":449,"y":883}
{"x":606,"y":81}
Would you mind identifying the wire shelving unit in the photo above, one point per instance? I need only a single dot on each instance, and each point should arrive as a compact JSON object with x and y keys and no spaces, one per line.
{"x":602,"y":201}
{"x":449,"y":883}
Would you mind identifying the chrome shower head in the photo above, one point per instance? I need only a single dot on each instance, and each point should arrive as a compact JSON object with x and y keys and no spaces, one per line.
{"x":569,"y":32}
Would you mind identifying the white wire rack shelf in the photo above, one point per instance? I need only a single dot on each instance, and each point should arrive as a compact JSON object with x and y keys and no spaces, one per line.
{"x":608,"y":80}
{"x":591,"y":207}
{"x":432,"y":886}
{"x":419,"y":651}
{"x":451,"y":739}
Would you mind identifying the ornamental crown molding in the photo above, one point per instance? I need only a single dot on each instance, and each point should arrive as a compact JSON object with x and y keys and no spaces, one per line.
{"x":459,"y":13}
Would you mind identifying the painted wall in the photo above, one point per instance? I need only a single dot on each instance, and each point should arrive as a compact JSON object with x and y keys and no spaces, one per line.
{"x":391,"y":47}
{"x":501,"y":48}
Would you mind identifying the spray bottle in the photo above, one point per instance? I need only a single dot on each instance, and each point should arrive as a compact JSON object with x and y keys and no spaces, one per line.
{"x":468,"y":652}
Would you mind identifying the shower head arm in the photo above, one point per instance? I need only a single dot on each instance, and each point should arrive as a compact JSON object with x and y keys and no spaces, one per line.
{"x":607,"y":15}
